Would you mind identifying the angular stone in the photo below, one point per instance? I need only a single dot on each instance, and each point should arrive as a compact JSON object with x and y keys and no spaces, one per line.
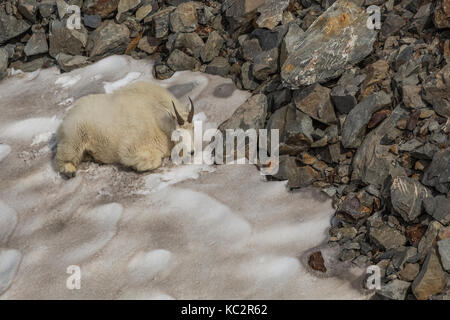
{"x":248,"y":82}
{"x":100,"y":7}
{"x":250,"y":115}
{"x":265,"y":64}
{"x":144,"y":11}
{"x":148,"y":44}
{"x":125,"y":6}
{"x":428,"y":240}
{"x":179,"y":61}
{"x":160,"y":22}
{"x":240,"y":13}
{"x":46,"y":8}
{"x":444,"y":253}
{"x":409,"y":271}
{"x":212,"y":47}
{"x":355,"y":123}
{"x":65,"y":40}
{"x":337,"y":39}
{"x":184,"y":18}
{"x":394,"y":290}
{"x":392,"y":25}
{"x":92,"y":21}
{"x":377,"y":77}
{"x":37,"y":44}
{"x":304,"y":176}
{"x":271,"y":13}
{"x":437,"y":91}
{"x":109,"y":38}
{"x":250,"y":49}
{"x":373,"y":162}
{"x":28,"y":8}
{"x":287,"y":167}
{"x":269,"y":39}
{"x":439,"y":208}
{"x":69,"y":63}
{"x":437,"y":174}
{"x":190,"y":41}
{"x":431,"y":279}
{"x":386,"y":237}
{"x":315,"y":101}
{"x":407,"y":195}
{"x":291,"y":41}
{"x":3,"y":63}
{"x":442,"y":14}
{"x":219,"y":66}
{"x":411,"y":97}
{"x":10,"y":26}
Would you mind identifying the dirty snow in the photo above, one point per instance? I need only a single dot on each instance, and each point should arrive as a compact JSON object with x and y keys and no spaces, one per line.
{"x":181,"y":232}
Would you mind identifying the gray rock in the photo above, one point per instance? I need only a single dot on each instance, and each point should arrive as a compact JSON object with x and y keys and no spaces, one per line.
{"x":386,"y":237}
{"x":265,"y":64}
{"x":37,"y":44}
{"x":441,"y":16}
{"x":212,"y":47}
{"x":68,"y":62}
{"x":32,"y":65}
{"x":109,"y":38}
{"x":10,"y":26}
{"x":298,"y":128}
{"x":160,"y":22}
{"x":100,"y":7}
{"x":437,"y":174}
{"x":392,"y":25}
{"x":250,"y":115}
{"x":240,"y":14}
{"x":291,"y":41}
{"x":46,"y":8}
{"x":269,"y":39}
{"x":444,"y":253}
{"x":337,"y":39}
{"x":28,"y":8}
{"x":411,"y":97}
{"x":65,"y":40}
{"x":248,"y":82}
{"x":145,"y":10}
{"x":219,"y":66}
{"x":431,"y":279}
{"x":3,"y":63}
{"x":422,"y":18}
{"x":354,"y":127}
{"x":428,"y":240}
{"x":63,"y":9}
{"x":407,"y":195}
{"x":163,"y":72}
{"x":190,"y":41}
{"x":92,"y":21}
{"x":124,"y":7}
{"x":394,"y":290}
{"x":179,"y":61}
{"x":287,"y":168}
{"x":271,"y":13}
{"x":315,"y":101}
{"x":437,"y":91}
{"x":439,"y":208}
{"x":250,"y":49}
{"x":425,"y":151}
{"x":303,"y":177}
{"x":184,"y":18}
{"x":149,"y":44}
{"x":409,"y":271}
{"x":373,"y":162}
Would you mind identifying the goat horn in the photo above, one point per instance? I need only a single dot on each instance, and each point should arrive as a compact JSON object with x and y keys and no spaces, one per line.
{"x":179,"y":118}
{"x":191,"y":112}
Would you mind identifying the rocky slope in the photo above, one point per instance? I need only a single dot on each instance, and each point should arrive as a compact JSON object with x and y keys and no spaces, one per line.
{"x":363,"y":113}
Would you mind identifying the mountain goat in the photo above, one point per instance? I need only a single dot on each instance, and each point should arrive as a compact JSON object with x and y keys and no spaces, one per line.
{"x":132,"y":126}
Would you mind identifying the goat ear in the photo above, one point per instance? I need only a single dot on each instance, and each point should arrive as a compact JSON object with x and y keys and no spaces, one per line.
{"x":191,"y":112}
{"x":179,"y":118}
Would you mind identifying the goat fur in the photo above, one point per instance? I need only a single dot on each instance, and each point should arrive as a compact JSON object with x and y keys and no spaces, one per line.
{"x":132,"y":127}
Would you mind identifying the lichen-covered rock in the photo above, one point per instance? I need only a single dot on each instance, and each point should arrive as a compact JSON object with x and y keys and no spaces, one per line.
{"x":10,"y":26}
{"x":65,"y":40}
{"x":407,"y":196}
{"x":160,"y":22}
{"x":109,"y":38}
{"x":125,"y":6}
{"x":431,"y":279}
{"x":190,"y":41}
{"x":315,"y":101}
{"x":338,"y":38}
{"x":291,"y":41}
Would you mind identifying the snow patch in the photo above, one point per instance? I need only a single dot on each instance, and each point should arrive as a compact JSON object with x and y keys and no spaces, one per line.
{"x":9,"y":262}
{"x":110,"y":87}
{"x":42,"y":137}
{"x":68,"y":81}
{"x":146,"y":265}
{"x":29,"y":128}
{"x":8,"y":221}
{"x":4,"y":150}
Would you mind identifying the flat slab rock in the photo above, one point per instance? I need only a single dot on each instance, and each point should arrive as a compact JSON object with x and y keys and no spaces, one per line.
{"x":337,"y":39}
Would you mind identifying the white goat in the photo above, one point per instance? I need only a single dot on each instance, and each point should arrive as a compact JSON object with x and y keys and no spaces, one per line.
{"x":132,"y":126}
